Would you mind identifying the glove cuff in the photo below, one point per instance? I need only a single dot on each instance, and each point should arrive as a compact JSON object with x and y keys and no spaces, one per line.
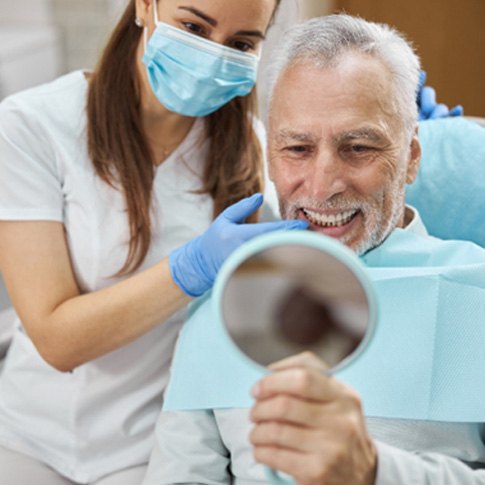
{"x":186,"y":271}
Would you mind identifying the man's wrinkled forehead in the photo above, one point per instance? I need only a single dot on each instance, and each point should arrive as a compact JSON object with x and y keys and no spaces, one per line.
{"x":354,"y":71}
{"x":358,"y":87}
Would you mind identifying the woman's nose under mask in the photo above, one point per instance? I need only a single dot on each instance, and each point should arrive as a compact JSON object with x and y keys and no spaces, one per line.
{"x":193,"y":76}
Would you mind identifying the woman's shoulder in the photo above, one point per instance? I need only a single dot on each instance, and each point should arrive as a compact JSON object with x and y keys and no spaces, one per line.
{"x":61,"y":99}
{"x":61,"y":87}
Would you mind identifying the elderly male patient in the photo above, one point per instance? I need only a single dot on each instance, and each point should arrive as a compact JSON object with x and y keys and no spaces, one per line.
{"x":342,"y":146}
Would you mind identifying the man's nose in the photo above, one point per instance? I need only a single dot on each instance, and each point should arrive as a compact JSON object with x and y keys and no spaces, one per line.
{"x":327,"y":177}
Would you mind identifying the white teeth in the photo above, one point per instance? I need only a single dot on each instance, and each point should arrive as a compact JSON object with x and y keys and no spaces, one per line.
{"x":333,"y":220}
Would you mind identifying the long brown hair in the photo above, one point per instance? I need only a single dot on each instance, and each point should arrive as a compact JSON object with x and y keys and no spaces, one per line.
{"x":122,"y":156}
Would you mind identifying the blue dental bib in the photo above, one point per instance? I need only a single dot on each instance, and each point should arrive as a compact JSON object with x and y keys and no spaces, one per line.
{"x":424,"y":361}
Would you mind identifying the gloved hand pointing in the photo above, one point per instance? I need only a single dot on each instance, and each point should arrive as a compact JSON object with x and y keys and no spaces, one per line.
{"x":194,"y":265}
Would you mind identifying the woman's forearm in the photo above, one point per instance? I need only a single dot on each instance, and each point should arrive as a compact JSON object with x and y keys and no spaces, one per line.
{"x":88,"y":326}
{"x":67,"y":327}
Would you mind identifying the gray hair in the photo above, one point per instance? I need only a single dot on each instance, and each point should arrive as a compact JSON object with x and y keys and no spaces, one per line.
{"x":324,"y":40}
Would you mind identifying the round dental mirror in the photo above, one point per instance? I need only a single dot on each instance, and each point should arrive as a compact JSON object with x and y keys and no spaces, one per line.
{"x":290,"y":292}
{"x":287,"y":292}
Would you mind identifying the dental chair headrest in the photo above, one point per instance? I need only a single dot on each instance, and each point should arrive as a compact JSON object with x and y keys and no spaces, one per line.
{"x":449,"y":191}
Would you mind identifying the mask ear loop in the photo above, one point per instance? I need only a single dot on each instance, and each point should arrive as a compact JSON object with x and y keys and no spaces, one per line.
{"x":155,"y":12}
{"x":145,"y":36}
{"x":155,"y":18}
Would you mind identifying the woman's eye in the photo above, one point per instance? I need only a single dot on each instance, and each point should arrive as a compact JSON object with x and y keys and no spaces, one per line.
{"x":194,"y":28}
{"x":242,"y":45}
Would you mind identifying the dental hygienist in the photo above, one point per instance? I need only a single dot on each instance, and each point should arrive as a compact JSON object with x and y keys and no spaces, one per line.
{"x":109,"y":183}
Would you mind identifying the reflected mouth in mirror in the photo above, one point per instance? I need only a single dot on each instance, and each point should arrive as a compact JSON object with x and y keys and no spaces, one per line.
{"x":290,"y":298}
{"x":306,"y":320}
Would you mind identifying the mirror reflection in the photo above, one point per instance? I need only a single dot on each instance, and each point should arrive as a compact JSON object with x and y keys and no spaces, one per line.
{"x":291,"y":298}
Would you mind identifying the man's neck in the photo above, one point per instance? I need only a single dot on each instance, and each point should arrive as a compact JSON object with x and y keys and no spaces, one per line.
{"x":408,"y":217}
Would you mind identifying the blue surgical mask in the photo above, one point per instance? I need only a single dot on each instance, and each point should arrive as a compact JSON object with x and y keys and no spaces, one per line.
{"x":194,"y":76}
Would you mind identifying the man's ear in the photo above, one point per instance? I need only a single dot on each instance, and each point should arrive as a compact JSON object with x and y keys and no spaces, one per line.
{"x":414,"y":158}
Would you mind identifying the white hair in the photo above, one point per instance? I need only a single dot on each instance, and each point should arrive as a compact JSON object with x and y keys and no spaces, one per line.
{"x":324,"y":40}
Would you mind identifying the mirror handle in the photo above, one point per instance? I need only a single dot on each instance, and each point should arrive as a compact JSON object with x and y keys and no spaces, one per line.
{"x":275,"y":478}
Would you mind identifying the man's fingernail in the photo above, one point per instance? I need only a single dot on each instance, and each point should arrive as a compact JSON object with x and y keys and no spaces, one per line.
{"x":256,"y":390}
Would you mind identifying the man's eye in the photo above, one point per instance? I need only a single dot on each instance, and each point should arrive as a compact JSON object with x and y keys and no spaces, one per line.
{"x":360,"y":148}
{"x":298,"y":149}
{"x":357,"y":150}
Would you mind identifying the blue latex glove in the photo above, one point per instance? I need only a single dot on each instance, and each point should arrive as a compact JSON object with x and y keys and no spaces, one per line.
{"x":194,"y":265}
{"x":428,"y":107}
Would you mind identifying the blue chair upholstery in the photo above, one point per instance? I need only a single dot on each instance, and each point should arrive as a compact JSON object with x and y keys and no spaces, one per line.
{"x":449,"y":191}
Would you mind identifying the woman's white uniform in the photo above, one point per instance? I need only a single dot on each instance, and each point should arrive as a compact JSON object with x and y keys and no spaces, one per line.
{"x":99,"y":418}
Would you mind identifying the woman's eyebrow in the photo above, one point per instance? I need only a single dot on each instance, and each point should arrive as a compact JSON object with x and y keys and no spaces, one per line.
{"x":251,"y":33}
{"x":213,"y":22}
{"x":201,"y":15}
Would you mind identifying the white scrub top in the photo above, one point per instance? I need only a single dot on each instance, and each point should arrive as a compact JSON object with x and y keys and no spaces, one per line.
{"x":99,"y":418}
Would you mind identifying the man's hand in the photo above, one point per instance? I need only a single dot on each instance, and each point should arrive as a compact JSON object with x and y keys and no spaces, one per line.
{"x":310,"y":426}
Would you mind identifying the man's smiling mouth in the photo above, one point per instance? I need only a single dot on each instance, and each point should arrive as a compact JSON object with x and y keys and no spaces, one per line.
{"x":330,"y":220}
